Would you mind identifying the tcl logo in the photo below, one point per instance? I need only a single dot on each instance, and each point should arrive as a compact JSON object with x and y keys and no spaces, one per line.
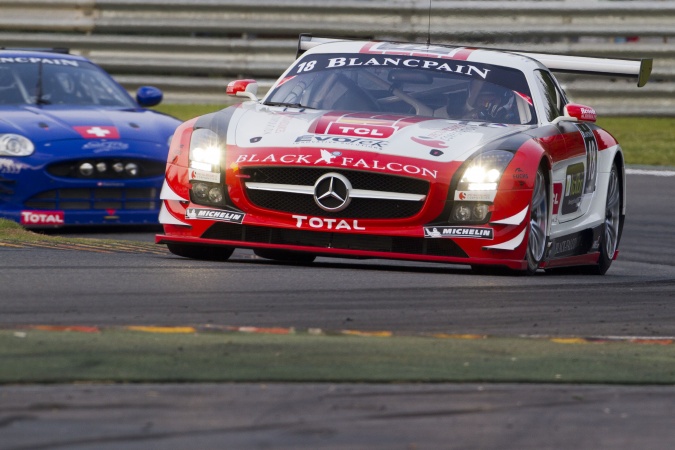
{"x":42,"y":218}
{"x":374,"y":131}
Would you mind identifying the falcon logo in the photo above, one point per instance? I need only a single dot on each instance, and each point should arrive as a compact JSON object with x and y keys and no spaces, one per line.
{"x":327,"y":157}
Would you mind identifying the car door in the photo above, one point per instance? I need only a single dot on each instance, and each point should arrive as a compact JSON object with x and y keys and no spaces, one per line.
{"x":574,"y":171}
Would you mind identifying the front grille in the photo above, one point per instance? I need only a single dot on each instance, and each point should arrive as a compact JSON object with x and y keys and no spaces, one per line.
{"x":322,"y":239}
{"x":145,"y":168}
{"x":359,"y":208}
{"x":96,"y":199}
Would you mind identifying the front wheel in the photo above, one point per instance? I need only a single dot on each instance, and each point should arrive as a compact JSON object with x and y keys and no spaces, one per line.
{"x":539,"y":217}
{"x":206,"y":253}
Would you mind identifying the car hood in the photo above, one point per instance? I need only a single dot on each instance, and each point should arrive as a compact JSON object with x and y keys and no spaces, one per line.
{"x":53,"y":123}
{"x":438,"y":140}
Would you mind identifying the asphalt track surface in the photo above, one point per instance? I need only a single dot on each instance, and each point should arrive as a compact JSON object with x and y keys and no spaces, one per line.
{"x":635,"y":298}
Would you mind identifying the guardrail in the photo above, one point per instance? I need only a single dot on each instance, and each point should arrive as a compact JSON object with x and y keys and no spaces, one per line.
{"x":192,"y":48}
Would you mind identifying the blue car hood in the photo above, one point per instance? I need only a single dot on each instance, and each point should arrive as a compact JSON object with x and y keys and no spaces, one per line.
{"x":53,"y":123}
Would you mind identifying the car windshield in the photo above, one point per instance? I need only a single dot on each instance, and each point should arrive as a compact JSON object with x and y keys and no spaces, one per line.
{"x":54,"y":81}
{"x":391,"y":84}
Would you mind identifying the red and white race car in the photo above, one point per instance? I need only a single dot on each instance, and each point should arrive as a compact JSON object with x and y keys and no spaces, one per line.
{"x":404,"y":151}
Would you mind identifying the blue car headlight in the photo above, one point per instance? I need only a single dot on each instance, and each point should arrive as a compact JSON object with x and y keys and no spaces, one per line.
{"x":15,"y":145}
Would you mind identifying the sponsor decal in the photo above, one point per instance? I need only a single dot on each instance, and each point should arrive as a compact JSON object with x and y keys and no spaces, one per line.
{"x":337,"y":159}
{"x":519,"y":174}
{"x":572,"y":245}
{"x":9,"y":166}
{"x":202,"y":175}
{"x":24,"y":60}
{"x":327,"y":224}
{"x":214,"y":214}
{"x":370,"y":131}
{"x":574,"y":188}
{"x":557,"y":195}
{"x":459,"y":232}
{"x":325,"y":62}
{"x":411,"y":49}
{"x":378,"y":144}
{"x":42,"y":217}
{"x":591,"y":145}
{"x":429,"y":142}
{"x":105,"y":146}
{"x":584,"y":112}
{"x":475,"y":196}
{"x":98,"y":132}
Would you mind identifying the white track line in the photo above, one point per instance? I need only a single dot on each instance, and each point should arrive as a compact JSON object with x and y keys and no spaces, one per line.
{"x":653,"y":173}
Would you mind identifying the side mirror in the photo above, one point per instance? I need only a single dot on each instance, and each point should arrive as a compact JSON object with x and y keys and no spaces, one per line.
{"x":581,"y":112}
{"x":243,"y":88}
{"x":147,"y":96}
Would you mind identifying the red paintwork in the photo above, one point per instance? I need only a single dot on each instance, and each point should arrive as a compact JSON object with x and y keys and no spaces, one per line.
{"x":513,"y":196}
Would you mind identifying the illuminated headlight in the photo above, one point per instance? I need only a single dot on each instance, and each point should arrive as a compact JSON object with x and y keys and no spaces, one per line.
{"x":118,"y":167}
{"x":485,"y":171}
{"x":205,"y":150}
{"x":15,"y":145}
{"x":101,"y":167}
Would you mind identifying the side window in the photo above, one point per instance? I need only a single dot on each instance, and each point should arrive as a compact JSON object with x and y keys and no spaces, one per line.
{"x":553,"y":98}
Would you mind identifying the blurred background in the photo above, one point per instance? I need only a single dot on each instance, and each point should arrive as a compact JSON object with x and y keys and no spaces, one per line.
{"x":191,"y":49}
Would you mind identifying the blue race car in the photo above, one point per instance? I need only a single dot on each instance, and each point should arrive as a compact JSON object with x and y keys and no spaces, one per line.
{"x":75,"y":148}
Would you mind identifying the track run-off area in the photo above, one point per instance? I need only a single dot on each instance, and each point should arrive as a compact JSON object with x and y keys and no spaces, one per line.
{"x":340,"y":353}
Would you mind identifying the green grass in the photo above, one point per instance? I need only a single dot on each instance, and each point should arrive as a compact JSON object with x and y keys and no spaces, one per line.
{"x":118,"y":355}
{"x":645,"y":140}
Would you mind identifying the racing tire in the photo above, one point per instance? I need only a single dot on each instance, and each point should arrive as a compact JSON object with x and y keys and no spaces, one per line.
{"x":285,"y":256}
{"x":611,"y":233}
{"x":200,"y":252}
{"x":537,"y":238}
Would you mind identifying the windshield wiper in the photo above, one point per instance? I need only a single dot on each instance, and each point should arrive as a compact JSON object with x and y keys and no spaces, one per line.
{"x":288,"y":105}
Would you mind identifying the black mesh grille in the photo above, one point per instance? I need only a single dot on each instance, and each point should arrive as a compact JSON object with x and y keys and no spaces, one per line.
{"x":359,"y":208}
{"x":318,"y":239}
{"x":145,"y":168}
{"x":96,"y":199}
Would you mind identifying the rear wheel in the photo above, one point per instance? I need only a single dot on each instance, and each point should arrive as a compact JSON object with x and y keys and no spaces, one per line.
{"x":200,"y":252}
{"x":612,"y":226}
{"x":536,"y":240}
{"x":285,"y":256}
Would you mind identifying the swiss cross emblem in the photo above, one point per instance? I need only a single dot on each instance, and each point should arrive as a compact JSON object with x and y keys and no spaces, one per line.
{"x":98,"y":132}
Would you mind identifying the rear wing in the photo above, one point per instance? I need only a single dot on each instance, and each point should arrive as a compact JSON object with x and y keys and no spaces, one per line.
{"x":632,"y":68}
{"x":640,"y":69}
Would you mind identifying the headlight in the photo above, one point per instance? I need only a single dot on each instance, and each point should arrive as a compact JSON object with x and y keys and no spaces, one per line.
{"x":485,"y":171}
{"x":15,"y":145}
{"x":205,"y":150}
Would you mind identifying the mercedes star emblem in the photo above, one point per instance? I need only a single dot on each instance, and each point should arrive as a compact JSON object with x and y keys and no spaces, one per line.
{"x":331,"y":192}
